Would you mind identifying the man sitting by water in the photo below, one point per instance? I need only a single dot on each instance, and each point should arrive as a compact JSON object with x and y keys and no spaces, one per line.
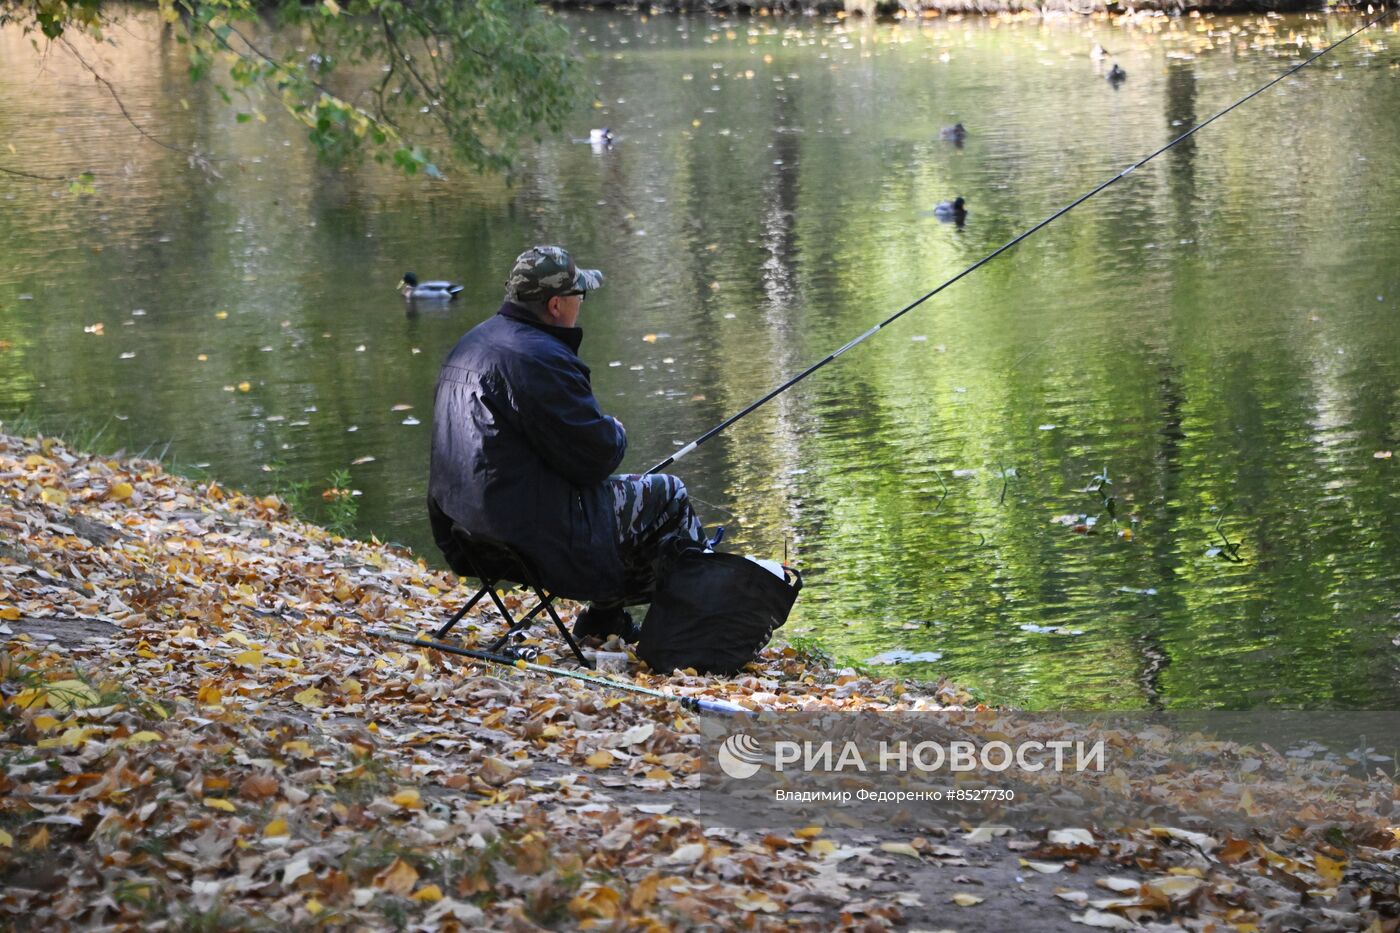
{"x":522,"y":454}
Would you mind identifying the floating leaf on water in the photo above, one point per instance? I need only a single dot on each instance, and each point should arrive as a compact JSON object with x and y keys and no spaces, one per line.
{"x":402,"y":407}
{"x":903,"y":656}
{"x":359,"y":460}
{"x":410,"y":420}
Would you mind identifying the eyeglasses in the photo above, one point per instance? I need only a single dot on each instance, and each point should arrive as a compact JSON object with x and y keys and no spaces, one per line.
{"x":580,"y":294}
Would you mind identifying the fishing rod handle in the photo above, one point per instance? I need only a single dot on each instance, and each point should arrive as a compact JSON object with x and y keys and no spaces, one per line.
{"x":715,"y":707}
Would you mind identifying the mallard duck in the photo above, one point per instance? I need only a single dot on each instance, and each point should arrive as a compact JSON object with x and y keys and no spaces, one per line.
{"x":957,"y":132}
{"x":1116,"y":75}
{"x":955,"y":209}
{"x":414,"y":290}
{"x":604,"y":136}
{"x":1098,"y":53}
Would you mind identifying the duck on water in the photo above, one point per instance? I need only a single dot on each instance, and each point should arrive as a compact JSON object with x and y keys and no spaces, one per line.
{"x":954,"y":210}
{"x":416,"y":291}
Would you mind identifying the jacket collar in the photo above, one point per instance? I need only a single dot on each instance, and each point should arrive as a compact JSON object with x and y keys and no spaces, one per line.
{"x":572,"y":337}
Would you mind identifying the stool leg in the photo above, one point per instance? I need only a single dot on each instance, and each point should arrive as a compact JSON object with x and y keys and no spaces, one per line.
{"x":516,"y":628}
{"x":563,"y":630}
{"x":442,"y":632}
{"x":510,"y":621}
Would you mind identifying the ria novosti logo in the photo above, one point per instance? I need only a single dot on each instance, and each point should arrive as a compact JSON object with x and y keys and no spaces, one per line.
{"x":740,"y":756}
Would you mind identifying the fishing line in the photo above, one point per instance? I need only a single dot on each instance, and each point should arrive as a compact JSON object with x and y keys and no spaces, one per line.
{"x":688,"y":448}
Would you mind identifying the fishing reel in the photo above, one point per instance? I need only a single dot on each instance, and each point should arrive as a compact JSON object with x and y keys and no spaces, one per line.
{"x":521,"y":652}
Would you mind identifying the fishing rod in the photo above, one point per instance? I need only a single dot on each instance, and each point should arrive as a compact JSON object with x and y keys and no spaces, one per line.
{"x":830,"y":357}
{"x":694,"y":704}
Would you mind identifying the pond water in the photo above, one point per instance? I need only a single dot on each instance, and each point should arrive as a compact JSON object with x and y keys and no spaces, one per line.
{"x":1212,"y":342}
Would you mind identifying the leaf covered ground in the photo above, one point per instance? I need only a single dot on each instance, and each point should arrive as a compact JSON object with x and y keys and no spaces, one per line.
{"x":196,"y":731}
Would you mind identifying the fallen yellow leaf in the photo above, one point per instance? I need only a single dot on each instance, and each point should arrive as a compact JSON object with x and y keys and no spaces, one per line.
{"x":120,"y":492}
{"x":599,"y":759}
{"x":33,"y":698}
{"x":210,"y":695}
{"x":249,"y":659}
{"x":600,"y":902}
{"x":899,"y":848}
{"x":1329,"y":870}
{"x":277,"y":827}
{"x":311,"y":697}
{"x":808,"y":832}
{"x":66,"y":695}
{"x":142,"y":737}
{"x":428,"y":894}
{"x":9,"y":613}
{"x":6,"y":840}
{"x":409,"y":799}
{"x":218,"y":803}
{"x":966,"y":900}
{"x":399,"y":878}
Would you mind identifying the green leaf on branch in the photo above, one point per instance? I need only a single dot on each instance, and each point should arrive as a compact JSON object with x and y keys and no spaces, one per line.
{"x":470,"y":81}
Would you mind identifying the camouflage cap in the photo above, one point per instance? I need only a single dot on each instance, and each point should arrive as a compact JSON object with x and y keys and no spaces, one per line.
{"x":542,"y":272}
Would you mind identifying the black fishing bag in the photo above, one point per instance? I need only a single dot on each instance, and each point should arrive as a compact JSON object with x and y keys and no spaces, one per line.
{"x":714,"y":612}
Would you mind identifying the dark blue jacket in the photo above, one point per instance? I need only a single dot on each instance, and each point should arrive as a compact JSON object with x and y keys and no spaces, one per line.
{"x":521,"y":451}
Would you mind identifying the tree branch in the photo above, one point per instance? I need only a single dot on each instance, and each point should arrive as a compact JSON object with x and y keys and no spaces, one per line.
{"x":15,"y":171}
{"x":111,"y":89}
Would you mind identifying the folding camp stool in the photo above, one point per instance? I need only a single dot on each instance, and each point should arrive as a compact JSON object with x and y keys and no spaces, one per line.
{"x":492,"y":563}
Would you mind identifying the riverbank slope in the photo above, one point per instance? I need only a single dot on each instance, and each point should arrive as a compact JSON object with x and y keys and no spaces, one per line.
{"x":196,"y":731}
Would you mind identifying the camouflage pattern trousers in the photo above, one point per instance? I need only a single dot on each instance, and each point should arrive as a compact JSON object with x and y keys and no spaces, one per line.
{"x":651,"y":510}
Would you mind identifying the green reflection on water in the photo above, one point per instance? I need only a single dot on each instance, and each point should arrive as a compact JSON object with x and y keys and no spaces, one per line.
{"x":1217,"y":333}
